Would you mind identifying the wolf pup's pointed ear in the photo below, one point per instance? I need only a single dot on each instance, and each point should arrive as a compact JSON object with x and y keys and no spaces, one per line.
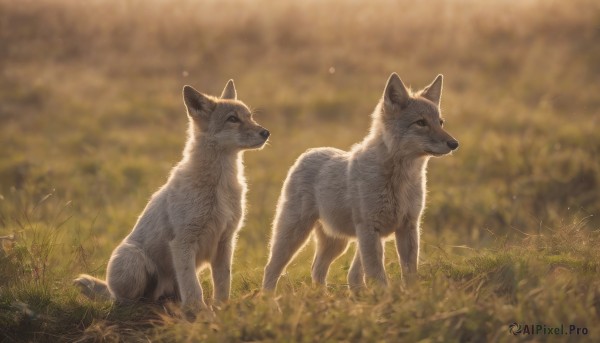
{"x":395,"y":93}
{"x":198,"y":105}
{"x":433,"y":92}
{"x":229,"y":91}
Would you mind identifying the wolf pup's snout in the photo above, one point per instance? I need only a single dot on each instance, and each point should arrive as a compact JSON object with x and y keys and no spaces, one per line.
{"x":453,"y":144}
{"x":265,"y":133}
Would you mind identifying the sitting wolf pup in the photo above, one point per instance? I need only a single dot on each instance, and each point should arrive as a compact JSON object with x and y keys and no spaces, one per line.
{"x":194,"y":217}
{"x":368,"y":193}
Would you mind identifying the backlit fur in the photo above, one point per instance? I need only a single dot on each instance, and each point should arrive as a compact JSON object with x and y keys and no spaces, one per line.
{"x":372,"y":192}
{"x":192,"y":220}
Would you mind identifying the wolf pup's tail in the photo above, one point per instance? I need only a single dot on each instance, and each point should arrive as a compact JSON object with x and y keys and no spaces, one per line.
{"x":92,"y":287}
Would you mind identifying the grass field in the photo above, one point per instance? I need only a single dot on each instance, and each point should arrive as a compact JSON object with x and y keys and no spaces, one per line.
{"x":91,"y":121}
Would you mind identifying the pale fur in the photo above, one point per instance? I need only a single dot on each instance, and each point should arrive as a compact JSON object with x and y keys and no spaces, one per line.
{"x":373,"y":191}
{"x":192,"y":220}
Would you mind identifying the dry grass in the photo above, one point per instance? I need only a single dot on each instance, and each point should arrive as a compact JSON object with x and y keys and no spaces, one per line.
{"x":91,"y":113}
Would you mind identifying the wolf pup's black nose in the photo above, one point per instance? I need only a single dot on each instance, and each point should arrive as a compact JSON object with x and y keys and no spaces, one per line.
{"x":452,"y":144}
{"x":265,"y":134}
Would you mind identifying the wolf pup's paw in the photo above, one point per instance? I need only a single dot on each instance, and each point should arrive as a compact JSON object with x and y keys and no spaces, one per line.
{"x":198,"y":311}
{"x":205,"y":316}
{"x":410,"y":280}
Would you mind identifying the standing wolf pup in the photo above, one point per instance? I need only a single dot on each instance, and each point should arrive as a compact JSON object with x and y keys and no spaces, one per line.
{"x":368,"y":193}
{"x":194,"y":217}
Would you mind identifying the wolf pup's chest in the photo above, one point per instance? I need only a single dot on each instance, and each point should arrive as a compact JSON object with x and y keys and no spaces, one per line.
{"x":398,"y":200}
{"x":229,"y":202}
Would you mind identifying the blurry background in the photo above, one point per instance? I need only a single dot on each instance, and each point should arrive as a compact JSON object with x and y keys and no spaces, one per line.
{"x":91,"y":111}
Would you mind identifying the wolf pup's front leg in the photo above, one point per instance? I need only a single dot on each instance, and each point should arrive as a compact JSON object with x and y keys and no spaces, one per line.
{"x":221,"y":270}
{"x":371,"y":253}
{"x":407,"y":244}
{"x":184,"y":257}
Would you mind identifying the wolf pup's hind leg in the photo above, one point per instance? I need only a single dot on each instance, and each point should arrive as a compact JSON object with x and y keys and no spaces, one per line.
{"x":291,"y":231}
{"x":129,"y":274}
{"x":328,"y":249}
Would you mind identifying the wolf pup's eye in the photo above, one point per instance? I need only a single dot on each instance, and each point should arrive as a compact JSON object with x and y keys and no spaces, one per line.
{"x":233,"y":119}
{"x":421,"y":122}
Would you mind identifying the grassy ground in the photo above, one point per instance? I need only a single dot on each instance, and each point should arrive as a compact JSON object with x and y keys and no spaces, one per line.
{"x":91,"y":121}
